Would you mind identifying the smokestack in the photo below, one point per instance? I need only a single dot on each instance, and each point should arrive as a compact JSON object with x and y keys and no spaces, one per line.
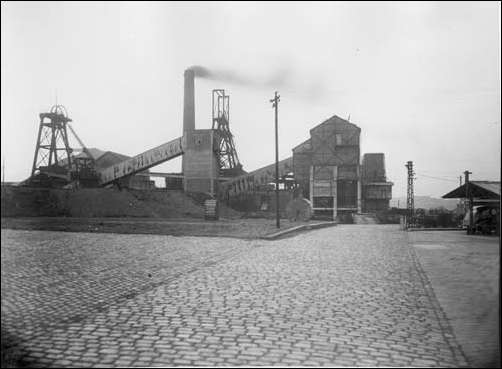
{"x":189,"y":102}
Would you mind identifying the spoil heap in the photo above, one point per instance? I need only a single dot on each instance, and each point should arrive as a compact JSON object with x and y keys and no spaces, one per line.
{"x":101,"y":202}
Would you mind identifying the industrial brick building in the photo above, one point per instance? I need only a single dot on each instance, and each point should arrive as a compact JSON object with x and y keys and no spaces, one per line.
{"x":326,"y":169}
{"x":326,"y":166}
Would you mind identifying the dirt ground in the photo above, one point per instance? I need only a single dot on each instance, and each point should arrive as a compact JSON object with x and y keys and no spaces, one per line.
{"x":109,"y":210}
{"x":240,"y":228}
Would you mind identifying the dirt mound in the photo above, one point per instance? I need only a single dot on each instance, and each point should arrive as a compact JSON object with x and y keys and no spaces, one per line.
{"x":103,"y":202}
{"x":169,"y":204}
{"x":228,"y":213}
{"x":24,"y":201}
{"x":98,"y":202}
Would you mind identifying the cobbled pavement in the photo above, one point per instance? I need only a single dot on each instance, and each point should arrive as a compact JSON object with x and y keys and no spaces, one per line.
{"x":343,"y":296}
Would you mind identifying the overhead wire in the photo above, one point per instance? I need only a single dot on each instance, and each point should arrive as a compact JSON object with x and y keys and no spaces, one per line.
{"x":438,"y":178}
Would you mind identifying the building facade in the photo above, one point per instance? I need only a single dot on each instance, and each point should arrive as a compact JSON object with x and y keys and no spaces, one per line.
{"x":327,"y":170}
{"x":326,"y":167}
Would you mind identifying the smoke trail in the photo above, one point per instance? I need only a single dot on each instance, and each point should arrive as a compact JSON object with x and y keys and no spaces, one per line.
{"x":200,"y":71}
{"x":277,"y":79}
{"x":310,"y":87}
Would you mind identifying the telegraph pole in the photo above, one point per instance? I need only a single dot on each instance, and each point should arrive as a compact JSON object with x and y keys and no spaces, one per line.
{"x":461,"y":202}
{"x":410,"y":199}
{"x":275,"y":105}
{"x":468,"y":197}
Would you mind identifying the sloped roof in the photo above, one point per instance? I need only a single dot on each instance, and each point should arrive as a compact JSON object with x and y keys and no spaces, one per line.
{"x":110,"y":158}
{"x":304,"y":146}
{"x":489,"y":186}
{"x":477,"y":189}
{"x":267,"y":172}
{"x":95,"y":153}
{"x":335,"y":119}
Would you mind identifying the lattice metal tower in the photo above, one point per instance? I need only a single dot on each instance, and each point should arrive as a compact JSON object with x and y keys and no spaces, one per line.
{"x":410,"y":199}
{"x":53,"y":151}
{"x":227,"y":155}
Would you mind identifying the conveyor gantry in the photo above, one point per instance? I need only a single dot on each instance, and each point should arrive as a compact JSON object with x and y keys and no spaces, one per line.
{"x":143,"y":161}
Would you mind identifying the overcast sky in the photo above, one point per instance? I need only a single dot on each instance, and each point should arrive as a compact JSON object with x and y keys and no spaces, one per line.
{"x":422,"y":80}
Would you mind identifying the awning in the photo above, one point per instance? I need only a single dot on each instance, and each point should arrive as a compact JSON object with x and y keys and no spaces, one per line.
{"x":477,"y":190}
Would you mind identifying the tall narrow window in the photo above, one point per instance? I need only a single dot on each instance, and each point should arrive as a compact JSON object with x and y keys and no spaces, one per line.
{"x":338,"y":139}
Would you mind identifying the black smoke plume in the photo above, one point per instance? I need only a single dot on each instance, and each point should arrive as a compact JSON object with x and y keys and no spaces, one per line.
{"x":281,"y":79}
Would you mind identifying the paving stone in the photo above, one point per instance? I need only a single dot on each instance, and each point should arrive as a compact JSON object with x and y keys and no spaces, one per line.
{"x":344,"y":296}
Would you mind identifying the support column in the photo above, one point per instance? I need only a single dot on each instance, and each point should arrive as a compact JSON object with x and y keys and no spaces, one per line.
{"x":34,"y":167}
{"x":359,"y":199}
{"x":211,"y":168}
{"x":311,"y":185}
{"x":334,"y":192}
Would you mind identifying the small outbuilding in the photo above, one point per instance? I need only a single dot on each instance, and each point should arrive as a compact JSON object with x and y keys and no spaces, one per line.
{"x":481,"y":192}
{"x":484,"y":211}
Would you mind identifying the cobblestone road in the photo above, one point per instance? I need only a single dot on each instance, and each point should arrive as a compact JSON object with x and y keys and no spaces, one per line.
{"x":53,"y":278}
{"x":346,"y":296}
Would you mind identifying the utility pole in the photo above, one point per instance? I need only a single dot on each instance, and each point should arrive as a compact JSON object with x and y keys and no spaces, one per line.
{"x":468,"y":197}
{"x":410,"y":199}
{"x":275,"y":105}
{"x":3,"y":177}
{"x":461,"y":202}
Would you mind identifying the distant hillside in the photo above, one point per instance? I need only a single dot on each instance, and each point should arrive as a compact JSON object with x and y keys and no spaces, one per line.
{"x":426,"y":202}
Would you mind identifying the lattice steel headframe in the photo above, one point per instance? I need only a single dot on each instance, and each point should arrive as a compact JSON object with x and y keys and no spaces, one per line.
{"x":227,"y":155}
{"x":53,"y":151}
